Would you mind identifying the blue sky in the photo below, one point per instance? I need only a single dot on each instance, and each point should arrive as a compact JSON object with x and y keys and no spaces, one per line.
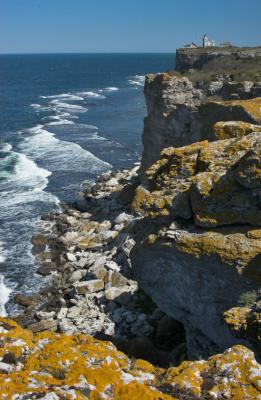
{"x":40,"y":26}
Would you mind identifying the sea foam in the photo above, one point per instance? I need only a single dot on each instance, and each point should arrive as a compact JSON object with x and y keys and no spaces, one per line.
{"x":64,"y":96}
{"x":137,"y":80}
{"x":92,"y":95}
{"x":67,"y":106}
{"x":4,"y":296}
{"x":4,"y":290}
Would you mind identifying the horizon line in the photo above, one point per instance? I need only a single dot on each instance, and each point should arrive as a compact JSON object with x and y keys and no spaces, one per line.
{"x":88,"y":52}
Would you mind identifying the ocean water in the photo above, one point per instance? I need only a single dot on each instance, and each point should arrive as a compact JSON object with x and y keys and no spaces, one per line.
{"x":64,"y":119}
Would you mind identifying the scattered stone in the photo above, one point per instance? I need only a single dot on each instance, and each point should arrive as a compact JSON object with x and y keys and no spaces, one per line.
{"x":46,"y":268}
{"x":23,"y":300}
{"x":91,"y":286}
{"x":77,"y":275}
{"x":113,"y":293}
{"x":43,"y":325}
{"x":5,"y":368}
{"x":123,"y":218}
{"x":99,"y":271}
{"x":112,"y":265}
{"x":71,"y":257}
{"x":62,"y":313}
{"x":43,"y":315}
{"x":115,"y":279}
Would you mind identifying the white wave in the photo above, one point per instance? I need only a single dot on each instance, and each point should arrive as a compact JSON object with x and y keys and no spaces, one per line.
{"x":61,"y":122}
{"x":2,"y":253}
{"x":27,"y":169}
{"x":89,"y":126}
{"x":59,"y":155}
{"x":64,"y":96}
{"x":4,"y":296}
{"x":26,"y":183}
{"x":92,"y":95}
{"x":137,"y":80}
{"x":39,"y":107}
{"x":72,"y":107}
{"x":59,"y":116}
{"x":6,"y":147}
{"x":111,"y":89}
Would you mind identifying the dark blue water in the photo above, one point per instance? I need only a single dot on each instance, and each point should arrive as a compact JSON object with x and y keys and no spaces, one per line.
{"x":64,"y":119}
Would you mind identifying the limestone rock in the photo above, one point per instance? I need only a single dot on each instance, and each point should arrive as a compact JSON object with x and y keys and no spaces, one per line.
{"x":217,"y":183}
{"x":245,"y":322}
{"x":44,"y":325}
{"x":229,"y":129}
{"x":180,"y":114}
{"x":113,"y":293}
{"x":189,"y":272}
{"x":77,"y":275}
{"x":94,"y":285}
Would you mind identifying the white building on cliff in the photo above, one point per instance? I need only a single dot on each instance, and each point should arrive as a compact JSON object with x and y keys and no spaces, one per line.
{"x":208,"y":42}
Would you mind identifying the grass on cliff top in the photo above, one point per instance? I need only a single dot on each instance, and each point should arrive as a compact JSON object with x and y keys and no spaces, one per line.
{"x":240,"y":70}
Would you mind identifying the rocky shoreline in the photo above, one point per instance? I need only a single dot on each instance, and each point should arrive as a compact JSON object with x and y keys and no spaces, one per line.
{"x":93,"y":290}
{"x":162,"y":260}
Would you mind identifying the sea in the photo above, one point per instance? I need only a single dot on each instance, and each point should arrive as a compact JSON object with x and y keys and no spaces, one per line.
{"x":64,"y":119}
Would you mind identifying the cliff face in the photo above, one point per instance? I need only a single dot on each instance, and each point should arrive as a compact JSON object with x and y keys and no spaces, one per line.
{"x":48,"y":366}
{"x":197,"y":58}
{"x":179,"y":114}
{"x":198,"y":244}
{"x":189,"y":271}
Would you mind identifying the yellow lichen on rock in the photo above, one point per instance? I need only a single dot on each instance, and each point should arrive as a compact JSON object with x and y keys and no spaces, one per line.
{"x":230,"y":129}
{"x":245,"y":322}
{"x":80,"y":367}
{"x":233,"y":375}
{"x":232,"y":249}
{"x":215,"y":182}
{"x":251,"y":106}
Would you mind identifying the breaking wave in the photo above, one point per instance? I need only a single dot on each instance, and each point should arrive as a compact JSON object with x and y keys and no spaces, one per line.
{"x":4,"y":296}
{"x":67,"y":106}
{"x":137,"y":80}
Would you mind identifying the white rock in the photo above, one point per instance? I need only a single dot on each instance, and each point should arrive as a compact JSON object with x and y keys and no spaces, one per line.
{"x":50,"y":396}
{"x":77,"y":275}
{"x":6,"y":367}
{"x":112,"y":265}
{"x":108,"y":236}
{"x":100,"y":262}
{"x":62,"y":313}
{"x":119,"y":227}
{"x":113,"y":293}
{"x":123,"y":218}
{"x":45,"y":315}
{"x":112,"y":182}
{"x":71,"y":257}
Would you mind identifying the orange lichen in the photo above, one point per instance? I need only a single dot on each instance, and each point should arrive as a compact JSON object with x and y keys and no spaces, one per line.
{"x":252,"y":106}
{"x":230,"y":129}
{"x":80,"y":367}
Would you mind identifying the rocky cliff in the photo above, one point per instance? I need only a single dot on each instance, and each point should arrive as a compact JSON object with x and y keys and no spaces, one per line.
{"x":163,"y":260}
{"x":198,"y":247}
{"x":180,"y":114}
{"x":197,"y":58}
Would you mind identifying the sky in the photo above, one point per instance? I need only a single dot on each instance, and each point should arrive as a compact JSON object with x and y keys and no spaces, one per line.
{"x":50,"y":26}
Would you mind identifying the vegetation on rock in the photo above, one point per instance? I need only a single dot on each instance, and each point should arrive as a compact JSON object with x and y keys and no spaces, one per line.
{"x":80,"y":367}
